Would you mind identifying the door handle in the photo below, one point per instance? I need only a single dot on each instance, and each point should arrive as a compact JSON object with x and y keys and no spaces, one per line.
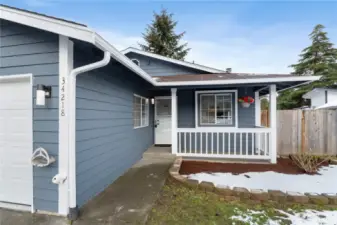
{"x":156,"y":123}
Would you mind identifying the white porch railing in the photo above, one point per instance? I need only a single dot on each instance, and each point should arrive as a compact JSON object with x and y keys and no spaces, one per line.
{"x":238,"y":143}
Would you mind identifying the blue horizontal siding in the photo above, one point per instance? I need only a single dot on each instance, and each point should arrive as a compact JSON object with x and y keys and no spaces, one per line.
{"x":106,"y":142}
{"x":27,"y":50}
{"x":156,"y":67}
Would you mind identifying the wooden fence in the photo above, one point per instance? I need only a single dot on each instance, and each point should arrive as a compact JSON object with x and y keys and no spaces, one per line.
{"x":308,"y":130}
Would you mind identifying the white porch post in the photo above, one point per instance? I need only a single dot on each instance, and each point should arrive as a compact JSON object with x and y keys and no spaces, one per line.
{"x":257,"y":109}
{"x":272,"y":116}
{"x":174,"y":117}
{"x":257,"y":120}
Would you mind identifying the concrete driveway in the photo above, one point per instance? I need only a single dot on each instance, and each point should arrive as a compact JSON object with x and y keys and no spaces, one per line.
{"x":126,"y":201}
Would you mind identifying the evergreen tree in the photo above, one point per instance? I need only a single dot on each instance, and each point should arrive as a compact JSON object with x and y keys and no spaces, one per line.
{"x":320,"y":58}
{"x":160,"y":37}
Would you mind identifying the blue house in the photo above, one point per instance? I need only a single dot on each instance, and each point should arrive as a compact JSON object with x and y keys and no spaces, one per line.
{"x":76,"y":113}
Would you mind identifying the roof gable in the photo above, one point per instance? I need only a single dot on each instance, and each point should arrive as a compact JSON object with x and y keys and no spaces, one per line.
{"x":172,"y":61}
{"x":157,"y":67}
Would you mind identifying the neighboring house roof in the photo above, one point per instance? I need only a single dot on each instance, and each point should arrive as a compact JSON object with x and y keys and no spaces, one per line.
{"x":329,"y":105}
{"x":82,"y":32}
{"x":170,"y":60}
{"x":316,"y":91}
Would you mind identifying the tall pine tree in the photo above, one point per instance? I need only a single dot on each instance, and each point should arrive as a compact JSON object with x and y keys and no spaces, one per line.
{"x":320,"y":58}
{"x":160,"y":37}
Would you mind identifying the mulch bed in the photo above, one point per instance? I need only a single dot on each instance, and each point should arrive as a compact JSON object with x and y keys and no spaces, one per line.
{"x":283,"y":165}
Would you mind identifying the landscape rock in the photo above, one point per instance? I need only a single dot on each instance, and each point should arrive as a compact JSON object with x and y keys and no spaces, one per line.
{"x":224,"y":190}
{"x":174,"y":170}
{"x":192,"y":183}
{"x":332,"y":197}
{"x":179,"y":178}
{"x":297,"y":197}
{"x":207,"y":186}
{"x":317,"y":199}
{"x":258,"y":194}
{"x":277,"y":196}
{"x":242,"y":193}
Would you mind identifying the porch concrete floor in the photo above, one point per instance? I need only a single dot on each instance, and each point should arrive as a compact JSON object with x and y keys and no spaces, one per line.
{"x":127,"y":201}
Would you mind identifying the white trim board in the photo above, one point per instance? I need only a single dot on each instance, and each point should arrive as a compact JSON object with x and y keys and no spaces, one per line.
{"x":174,"y":61}
{"x":65,"y":66}
{"x":196,"y":107}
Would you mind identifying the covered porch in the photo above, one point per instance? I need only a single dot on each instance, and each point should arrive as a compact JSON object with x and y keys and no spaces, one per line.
{"x":212,"y":123}
{"x":238,"y":135}
{"x":208,"y":121}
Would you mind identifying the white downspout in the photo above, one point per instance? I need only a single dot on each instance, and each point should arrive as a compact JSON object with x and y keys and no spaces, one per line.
{"x":73,"y":211}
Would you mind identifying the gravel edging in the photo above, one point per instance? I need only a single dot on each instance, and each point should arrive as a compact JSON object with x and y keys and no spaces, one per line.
{"x":256,"y":195}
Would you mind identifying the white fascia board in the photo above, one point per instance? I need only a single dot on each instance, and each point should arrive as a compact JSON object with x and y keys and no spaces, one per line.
{"x":49,"y":24}
{"x":120,"y":57}
{"x":174,"y":61}
{"x":240,"y":81}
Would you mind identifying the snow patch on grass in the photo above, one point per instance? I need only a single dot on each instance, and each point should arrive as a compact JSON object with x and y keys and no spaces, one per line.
{"x":307,"y":217}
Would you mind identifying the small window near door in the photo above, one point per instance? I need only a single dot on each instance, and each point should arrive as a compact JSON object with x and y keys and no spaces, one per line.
{"x":140,"y":111}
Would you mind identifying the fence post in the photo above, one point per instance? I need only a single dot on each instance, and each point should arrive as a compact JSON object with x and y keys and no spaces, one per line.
{"x":303,"y":132}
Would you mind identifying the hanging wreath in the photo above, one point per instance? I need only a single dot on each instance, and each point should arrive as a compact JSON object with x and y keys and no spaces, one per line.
{"x":246,"y":101}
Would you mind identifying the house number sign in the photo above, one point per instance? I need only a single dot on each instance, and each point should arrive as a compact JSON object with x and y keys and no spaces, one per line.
{"x":63,"y":86}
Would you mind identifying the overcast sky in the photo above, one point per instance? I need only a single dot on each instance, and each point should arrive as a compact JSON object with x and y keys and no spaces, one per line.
{"x":248,"y":36}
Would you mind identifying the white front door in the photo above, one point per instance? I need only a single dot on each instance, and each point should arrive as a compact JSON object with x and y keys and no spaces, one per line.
{"x":163,"y":121}
{"x":16,"y":181}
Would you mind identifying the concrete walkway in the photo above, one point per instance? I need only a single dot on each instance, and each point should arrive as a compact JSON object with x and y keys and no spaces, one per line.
{"x":127,"y":201}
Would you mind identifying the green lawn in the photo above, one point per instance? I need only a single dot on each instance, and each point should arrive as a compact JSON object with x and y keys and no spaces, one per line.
{"x":180,"y":205}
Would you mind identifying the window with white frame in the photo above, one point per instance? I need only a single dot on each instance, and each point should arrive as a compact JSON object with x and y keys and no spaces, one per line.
{"x":140,"y":111}
{"x":216,"y":109}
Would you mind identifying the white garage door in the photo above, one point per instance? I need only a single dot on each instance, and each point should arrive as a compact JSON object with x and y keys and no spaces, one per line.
{"x":15,"y":141}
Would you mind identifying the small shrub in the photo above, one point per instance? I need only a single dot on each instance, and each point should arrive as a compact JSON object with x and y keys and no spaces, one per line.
{"x":308,"y":162}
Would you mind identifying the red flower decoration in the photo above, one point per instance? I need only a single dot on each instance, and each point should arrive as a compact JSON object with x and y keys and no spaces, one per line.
{"x":247,"y":99}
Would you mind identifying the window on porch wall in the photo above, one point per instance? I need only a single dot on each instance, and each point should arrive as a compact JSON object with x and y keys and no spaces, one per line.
{"x":216,"y":109}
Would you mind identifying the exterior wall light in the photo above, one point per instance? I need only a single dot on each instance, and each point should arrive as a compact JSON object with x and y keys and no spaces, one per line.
{"x":152,"y":101}
{"x":42,"y":92}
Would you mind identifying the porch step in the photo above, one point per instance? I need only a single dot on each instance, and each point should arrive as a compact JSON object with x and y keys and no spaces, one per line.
{"x":158,"y":153}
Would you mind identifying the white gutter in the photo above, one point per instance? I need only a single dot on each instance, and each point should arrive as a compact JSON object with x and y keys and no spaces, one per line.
{"x":73,"y":211}
{"x":238,"y":81}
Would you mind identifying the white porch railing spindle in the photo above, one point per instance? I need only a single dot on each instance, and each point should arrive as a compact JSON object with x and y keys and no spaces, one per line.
{"x":229,"y":143}
{"x":223,"y":144}
{"x":265,"y":143}
{"x":212,"y":144}
{"x":253,"y":144}
{"x":206,"y":143}
{"x":240,"y":143}
{"x":217,"y":140}
{"x":235,"y":152}
{"x":186,"y":146}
